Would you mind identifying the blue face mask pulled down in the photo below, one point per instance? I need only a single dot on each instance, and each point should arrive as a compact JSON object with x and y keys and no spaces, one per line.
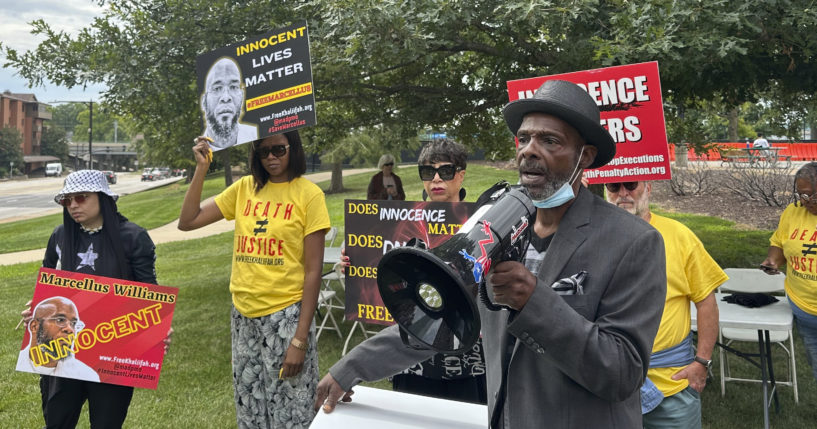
{"x":564,"y":193}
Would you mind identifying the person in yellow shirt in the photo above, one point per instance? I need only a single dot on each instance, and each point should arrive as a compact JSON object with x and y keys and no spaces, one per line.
{"x":280,"y":223}
{"x":677,"y":374}
{"x":793,"y":244}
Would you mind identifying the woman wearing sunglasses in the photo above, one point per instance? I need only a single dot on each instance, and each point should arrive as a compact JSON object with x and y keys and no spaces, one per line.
{"x":459,"y":377}
{"x":94,"y":238}
{"x":791,"y":245}
{"x":280,"y":223}
{"x":385,"y":185}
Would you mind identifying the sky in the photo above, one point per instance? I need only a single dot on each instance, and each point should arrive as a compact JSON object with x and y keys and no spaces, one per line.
{"x":66,"y":15}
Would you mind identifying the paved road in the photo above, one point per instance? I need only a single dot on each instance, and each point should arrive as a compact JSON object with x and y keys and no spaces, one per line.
{"x":21,"y":199}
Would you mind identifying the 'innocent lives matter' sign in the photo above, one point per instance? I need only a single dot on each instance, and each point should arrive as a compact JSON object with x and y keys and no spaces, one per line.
{"x":257,"y":87}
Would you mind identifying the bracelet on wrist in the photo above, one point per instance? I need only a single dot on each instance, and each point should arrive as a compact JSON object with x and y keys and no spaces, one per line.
{"x":298,"y":344}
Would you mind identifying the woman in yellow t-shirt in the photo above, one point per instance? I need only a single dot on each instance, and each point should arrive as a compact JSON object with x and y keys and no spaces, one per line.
{"x":792,"y":244}
{"x":280,"y":223}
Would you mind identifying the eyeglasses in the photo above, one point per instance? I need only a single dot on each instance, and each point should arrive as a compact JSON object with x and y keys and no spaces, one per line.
{"x":806,"y":198}
{"x":390,"y":164}
{"x":65,"y":201}
{"x":446,"y":172}
{"x":62,"y":322}
{"x":278,"y":150}
{"x":615,"y":187}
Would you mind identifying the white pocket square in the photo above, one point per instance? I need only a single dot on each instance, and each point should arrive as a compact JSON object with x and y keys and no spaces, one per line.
{"x":573,"y":285}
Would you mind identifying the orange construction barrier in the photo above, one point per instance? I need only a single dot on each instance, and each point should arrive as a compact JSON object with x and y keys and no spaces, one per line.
{"x":797,"y":151}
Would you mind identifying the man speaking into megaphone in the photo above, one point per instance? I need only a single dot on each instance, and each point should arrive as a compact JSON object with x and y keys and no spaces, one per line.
{"x":572,"y":347}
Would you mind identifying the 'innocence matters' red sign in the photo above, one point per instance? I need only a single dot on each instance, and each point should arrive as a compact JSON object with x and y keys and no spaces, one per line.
{"x":632,"y":111}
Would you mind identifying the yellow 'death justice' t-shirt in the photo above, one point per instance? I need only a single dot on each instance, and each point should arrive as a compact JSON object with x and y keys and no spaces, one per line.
{"x":268,"y":245}
{"x":796,"y":234}
{"x":692,"y":275}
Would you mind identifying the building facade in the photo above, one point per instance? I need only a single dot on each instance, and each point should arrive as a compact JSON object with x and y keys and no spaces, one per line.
{"x":24,"y":113}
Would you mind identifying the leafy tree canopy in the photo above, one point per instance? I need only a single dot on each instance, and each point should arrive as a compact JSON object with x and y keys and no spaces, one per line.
{"x":53,"y":142}
{"x":414,"y":64}
{"x":10,"y":149}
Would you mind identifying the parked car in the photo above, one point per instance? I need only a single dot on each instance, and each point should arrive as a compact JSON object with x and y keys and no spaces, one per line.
{"x":165,"y":172}
{"x":110,"y":175}
{"x":53,"y":169}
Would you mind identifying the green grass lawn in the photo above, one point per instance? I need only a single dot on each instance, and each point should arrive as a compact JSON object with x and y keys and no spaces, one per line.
{"x":195,"y":390}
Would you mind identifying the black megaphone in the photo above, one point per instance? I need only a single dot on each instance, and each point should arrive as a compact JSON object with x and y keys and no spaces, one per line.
{"x":431,"y":294}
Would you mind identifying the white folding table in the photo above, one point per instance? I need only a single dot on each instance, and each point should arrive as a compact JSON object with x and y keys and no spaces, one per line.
{"x":377,"y":408}
{"x":773,"y":317}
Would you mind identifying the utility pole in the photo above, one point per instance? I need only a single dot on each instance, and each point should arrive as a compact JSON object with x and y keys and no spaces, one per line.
{"x":90,"y":128}
{"x":90,"y":135}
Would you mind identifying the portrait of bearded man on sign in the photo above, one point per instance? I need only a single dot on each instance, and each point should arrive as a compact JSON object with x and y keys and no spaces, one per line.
{"x":53,"y":327}
{"x":222,"y":104}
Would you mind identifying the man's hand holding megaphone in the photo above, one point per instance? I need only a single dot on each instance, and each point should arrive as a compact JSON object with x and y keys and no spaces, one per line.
{"x":512,"y":284}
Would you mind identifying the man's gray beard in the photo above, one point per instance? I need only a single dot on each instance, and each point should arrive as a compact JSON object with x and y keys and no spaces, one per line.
{"x":552,"y":184}
{"x":222,"y":132}
{"x":44,"y":338}
{"x":546,"y":191}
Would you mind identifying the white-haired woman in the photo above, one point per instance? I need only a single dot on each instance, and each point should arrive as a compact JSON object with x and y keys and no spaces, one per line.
{"x":386,"y":185}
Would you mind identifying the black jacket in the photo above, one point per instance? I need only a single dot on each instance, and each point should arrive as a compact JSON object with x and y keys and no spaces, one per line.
{"x":100,"y":260}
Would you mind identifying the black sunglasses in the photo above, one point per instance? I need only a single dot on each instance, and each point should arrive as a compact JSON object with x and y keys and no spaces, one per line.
{"x":388,"y":164}
{"x":615,"y":187}
{"x":278,"y":150}
{"x":446,"y":172}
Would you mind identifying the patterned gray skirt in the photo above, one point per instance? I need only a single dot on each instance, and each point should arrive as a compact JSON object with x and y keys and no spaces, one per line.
{"x":258,"y":347}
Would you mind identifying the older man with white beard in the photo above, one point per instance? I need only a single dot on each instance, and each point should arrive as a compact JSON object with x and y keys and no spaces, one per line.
{"x":670,"y":398}
{"x":221,"y":103}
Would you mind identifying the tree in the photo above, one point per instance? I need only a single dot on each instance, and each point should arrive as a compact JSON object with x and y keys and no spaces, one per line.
{"x":444,"y":64}
{"x":64,"y":117}
{"x":731,"y":51}
{"x":54,"y":143}
{"x":11,"y":150}
{"x":144,"y":51}
{"x":107,"y":126}
{"x":365,"y":147}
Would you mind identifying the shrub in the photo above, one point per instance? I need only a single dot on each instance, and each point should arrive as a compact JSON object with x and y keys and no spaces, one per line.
{"x":767,"y":183}
{"x":694,"y":179}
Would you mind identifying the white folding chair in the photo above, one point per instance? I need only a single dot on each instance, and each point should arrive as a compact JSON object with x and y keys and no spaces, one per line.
{"x":755,"y":281}
{"x":331,"y":235}
{"x":328,"y":298}
{"x":327,"y":301}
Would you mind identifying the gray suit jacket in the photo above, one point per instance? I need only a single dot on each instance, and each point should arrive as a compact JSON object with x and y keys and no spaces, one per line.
{"x":578,"y":361}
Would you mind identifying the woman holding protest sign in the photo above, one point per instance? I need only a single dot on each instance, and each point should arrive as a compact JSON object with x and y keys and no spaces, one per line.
{"x":281,"y":219}
{"x":94,"y":238}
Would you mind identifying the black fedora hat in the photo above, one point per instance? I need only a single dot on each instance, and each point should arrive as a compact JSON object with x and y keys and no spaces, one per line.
{"x":570,"y":103}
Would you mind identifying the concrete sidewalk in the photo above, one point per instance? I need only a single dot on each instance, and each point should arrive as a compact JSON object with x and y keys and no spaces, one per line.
{"x":169,"y":232}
